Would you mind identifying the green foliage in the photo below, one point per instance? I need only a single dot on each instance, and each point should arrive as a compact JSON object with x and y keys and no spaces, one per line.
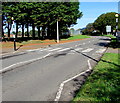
{"x":105,"y":19}
{"x":42,"y":14}
{"x":103,"y":83}
{"x":77,"y":37}
{"x":89,"y":29}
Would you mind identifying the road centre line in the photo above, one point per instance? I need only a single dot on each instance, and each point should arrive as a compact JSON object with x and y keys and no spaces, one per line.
{"x":58,"y":95}
{"x":24,"y":62}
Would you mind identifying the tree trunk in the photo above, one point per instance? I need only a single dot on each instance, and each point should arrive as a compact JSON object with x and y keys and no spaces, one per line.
{"x":8,"y":30}
{"x":48,"y":32}
{"x":22,"y":30}
{"x":33,"y":31}
{"x":16,"y":30}
{"x":38,"y":32}
{"x":2,"y":30}
{"x":43,"y":32}
{"x":27,"y":30}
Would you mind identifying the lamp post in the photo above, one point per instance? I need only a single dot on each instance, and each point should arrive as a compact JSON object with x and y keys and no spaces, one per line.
{"x":14,"y":37}
{"x":116,"y":16}
{"x":57,"y":32}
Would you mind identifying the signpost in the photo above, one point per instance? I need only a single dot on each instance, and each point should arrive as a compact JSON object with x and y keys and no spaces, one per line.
{"x":108,"y":29}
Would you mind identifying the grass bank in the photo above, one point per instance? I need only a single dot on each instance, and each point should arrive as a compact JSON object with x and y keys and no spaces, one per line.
{"x":77,"y":37}
{"x":10,"y":44}
{"x":104,"y":82}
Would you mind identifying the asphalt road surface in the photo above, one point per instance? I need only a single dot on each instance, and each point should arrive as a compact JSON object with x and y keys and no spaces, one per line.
{"x":35,"y":75}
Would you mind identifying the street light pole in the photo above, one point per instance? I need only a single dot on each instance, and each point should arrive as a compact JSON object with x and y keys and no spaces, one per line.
{"x":116,"y":15}
{"x":57,"y":32}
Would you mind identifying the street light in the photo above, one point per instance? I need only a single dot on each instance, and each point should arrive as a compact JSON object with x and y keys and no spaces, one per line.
{"x":116,"y":16}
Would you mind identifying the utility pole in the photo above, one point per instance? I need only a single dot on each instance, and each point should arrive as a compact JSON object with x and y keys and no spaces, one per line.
{"x":57,"y":32}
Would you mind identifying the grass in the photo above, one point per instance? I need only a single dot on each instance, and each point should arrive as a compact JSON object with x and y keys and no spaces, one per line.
{"x":10,"y":44}
{"x":111,"y":36}
{"x":104,"y":83}
{"x":77,"y":37}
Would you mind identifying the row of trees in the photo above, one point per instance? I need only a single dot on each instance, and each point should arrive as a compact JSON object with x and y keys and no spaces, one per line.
{"x":40,"y":15}
{"x":101,"y":22}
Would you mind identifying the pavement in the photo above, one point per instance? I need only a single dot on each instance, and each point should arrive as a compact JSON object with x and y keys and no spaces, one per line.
{"x":41,"y":74}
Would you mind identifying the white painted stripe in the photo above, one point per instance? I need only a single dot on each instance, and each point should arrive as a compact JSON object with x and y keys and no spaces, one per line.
{"x":20,"y":63}
{"x":54,"y":49}
{"x":100,"y":51}
{"x":87,"y":50}
{"x":64,"y":49}
{"x":33,"y":50}
{"x":77,"y":49}
{"x":84,"y":43}
{"x":76,"y":45}
{"x":58,"y":95}
{"x":45,"y":49}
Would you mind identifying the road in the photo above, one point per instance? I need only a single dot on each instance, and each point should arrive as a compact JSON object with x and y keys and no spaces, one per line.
{"x":35,"y":75}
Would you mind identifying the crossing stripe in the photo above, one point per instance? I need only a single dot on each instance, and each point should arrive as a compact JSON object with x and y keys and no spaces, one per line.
{"x":54,"y":49}
{"x":87,"y":50}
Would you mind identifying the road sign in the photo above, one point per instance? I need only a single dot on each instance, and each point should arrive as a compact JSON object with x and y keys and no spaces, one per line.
{"x":108,"y":28}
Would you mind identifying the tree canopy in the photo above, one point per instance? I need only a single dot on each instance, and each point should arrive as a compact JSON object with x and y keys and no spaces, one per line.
{"x":40,"y":15}
{"x":106,"y":19}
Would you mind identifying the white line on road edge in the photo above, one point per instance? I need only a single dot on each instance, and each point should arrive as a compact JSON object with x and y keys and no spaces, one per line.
{"x":58,"y":95}
{"x":20,"y":63}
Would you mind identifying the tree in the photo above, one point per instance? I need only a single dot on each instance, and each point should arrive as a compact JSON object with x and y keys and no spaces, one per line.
{"x":103,"y":20}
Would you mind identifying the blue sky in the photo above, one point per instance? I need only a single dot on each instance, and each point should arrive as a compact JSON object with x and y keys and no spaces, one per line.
{"x":92,"y":10}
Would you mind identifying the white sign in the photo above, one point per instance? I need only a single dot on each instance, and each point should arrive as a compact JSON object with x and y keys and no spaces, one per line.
{"x":108,"y":28}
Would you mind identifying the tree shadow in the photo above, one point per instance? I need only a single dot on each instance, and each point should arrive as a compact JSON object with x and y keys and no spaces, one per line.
{"x":96,"y":59}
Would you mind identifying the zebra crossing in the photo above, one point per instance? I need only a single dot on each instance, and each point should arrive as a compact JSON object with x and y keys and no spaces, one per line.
{"x":70,"y":50}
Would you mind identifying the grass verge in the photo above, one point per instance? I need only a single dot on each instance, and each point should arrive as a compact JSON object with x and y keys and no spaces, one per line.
{"x":77,"y":37}
{"x":104,"y":82}
{"x":111,"y":36}
{"x":10,"y":44}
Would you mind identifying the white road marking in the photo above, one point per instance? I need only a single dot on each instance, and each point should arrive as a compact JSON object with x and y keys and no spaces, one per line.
{"x":24,"y":62}
{"x":33,"y":50}
{"x":77,"y":49}
{"x":54,"y":49}
{"x":58,"y":95}
{"x":76,"y":45}
{"x":45,"y":49}
{"x":100,"y":51}
{"x":87,"y":50}
{"x":64,"y":49}
{"x":84,"y":43}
